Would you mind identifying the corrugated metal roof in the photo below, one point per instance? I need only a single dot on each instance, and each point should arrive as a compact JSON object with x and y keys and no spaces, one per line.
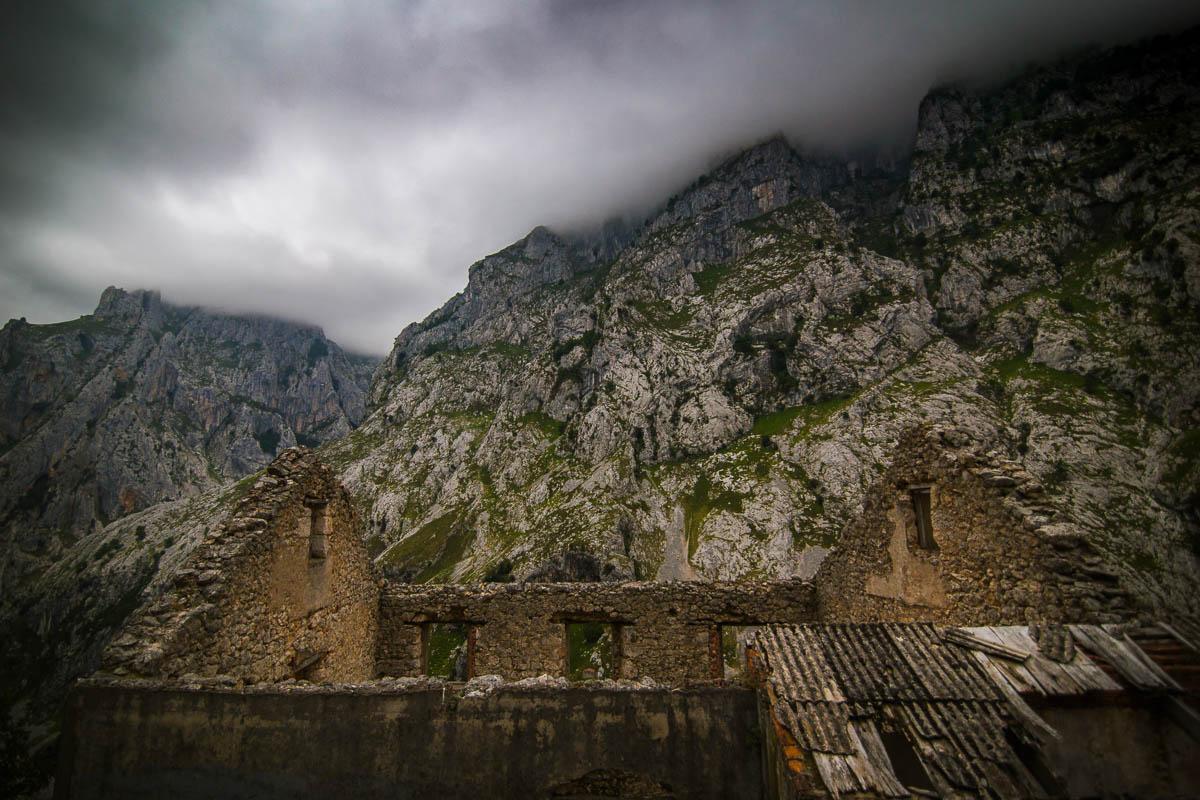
{"x":943,"y":669}
{"x":833,"y":685}
{"x":799,"y":662}
{"x":868,"y":665}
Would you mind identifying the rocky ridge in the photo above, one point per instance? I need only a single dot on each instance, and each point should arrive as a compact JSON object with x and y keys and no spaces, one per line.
{"x":714,"y":400}
{"x":142,"y":402}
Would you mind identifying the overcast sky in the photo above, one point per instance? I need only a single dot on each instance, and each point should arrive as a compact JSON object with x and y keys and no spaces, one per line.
{"x":343,"y":163}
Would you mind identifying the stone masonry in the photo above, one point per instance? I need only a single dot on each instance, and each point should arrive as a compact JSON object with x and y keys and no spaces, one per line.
{"x":669,"y":632}
{"x":998,"y":555}
{"x":283,"y":589}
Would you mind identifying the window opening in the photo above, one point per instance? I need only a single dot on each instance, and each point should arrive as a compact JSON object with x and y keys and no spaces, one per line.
{"x":447,"y":646}
{"x":316,"y":533}
{"x":733,"y":650}
{"x":593,"y":650}
{"x":922,"y":511}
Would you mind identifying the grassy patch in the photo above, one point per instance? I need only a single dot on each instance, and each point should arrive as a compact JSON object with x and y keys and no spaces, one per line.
{"x":432,"y":551}
{"x":354,"y":447}
{"x":510,"y":350}
{"x":708,"y":279}
{"x":704,"y":499}
{"x":659,"y":314}
{"x":776,"y":422}
{"x":813,"y":415}
{"x":548,"y":425}
{"x":1022,"y":367}
{"x":86,"y":324}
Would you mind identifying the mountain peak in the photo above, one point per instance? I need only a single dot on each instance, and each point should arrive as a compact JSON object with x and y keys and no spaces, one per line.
{"x":116,"y":303}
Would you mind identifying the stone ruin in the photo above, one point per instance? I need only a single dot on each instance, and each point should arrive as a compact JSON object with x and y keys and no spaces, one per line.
{"x":949,"y":535}
{"x":279,"y":658}
{"x":282,"y":589}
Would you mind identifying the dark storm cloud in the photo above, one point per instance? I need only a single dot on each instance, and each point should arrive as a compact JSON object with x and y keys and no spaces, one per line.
{"x":343,"y":163}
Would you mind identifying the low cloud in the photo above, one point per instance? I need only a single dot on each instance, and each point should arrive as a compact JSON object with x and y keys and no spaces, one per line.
{"x":343,"y":164}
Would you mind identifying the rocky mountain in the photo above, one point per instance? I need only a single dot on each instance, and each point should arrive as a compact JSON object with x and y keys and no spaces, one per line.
{"x":103,"y":419}
{"x":142,"y":402}
{"x":706,"y":396}
{"x":713,"y":400}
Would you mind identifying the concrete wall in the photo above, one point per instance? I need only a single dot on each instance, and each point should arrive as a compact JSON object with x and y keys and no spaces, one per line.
{"x":999,"y":556}
{"x":253,"y":603}
{"x":127,"y":742}
{"x":667,"y":631}
{"x":1121,"y":751}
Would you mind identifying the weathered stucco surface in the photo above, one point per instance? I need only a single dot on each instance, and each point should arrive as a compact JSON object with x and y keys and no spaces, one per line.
{"x":1000,"y":554}
{"x":911,"y":579}
{"x":127,"y":742}
{"x":255,"y":603}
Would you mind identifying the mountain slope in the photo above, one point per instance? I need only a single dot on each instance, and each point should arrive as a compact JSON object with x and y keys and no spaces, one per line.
{"x":142,"y":402}
{"x":713,"y":401}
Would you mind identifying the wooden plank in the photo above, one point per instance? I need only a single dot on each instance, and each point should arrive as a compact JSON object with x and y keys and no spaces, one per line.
{"x":1023,"y":679}
{"x":979,"y":639}
{"x":1149,"y":664}
{"x":836,"y":774}
{"x":883,"y":775}
{"x":1038,"y":726}
{"x":1180,"y":637}
{"x":1129,"y":666}
{"x":1050,"y":674}
{"x":1087,"y":673}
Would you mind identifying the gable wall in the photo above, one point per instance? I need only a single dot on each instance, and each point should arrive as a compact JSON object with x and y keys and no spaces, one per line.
{"x":999,"y":556}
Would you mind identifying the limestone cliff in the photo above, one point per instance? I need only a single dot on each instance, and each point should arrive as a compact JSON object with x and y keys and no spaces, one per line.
{"x":714,"y":398}
{"x":142,"y":402}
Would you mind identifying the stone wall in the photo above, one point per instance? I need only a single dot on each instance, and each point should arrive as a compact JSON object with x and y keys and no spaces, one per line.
{"x":284,"y":588}
{"x":122,"y":741}
{"x":668,"y":632}
{"x":999,"y":556}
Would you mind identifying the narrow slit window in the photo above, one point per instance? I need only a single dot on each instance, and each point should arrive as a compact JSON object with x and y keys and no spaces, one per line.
{"x":922,"y":512}
{"x":593,"y":650}
{"x":316,"y":533}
